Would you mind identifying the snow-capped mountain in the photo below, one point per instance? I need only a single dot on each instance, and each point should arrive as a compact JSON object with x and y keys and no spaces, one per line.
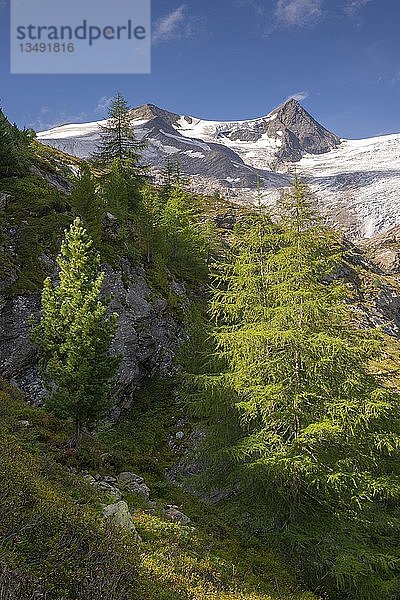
{"x":358,"y":181}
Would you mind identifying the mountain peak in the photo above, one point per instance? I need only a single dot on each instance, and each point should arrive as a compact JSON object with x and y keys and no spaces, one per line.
{"x":302,"y":133}
{"x":151,"y":111}
{"x":291,"y":102}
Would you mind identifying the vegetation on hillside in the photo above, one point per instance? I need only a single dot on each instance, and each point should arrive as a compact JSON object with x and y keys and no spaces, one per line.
{"x":294,"y":419}
{"x":55,"y":541}
{"x":75,"y":332}
{"x":300,"y":439}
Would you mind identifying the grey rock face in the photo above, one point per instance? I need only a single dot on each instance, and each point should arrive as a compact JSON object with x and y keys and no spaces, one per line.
{"x":147,"y":335}
{"x":384,"y":250}
{"x":296,"y":130}
{"x":18,"y":358}
{"x":301,"y":133}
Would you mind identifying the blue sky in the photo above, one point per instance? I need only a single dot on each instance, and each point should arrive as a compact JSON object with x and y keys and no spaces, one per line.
{"x":238,"y":59}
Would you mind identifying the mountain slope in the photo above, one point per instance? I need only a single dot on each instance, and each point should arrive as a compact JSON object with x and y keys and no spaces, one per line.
{"x":55,"y":540}
{"x":357,"y":180}
{"x":359,"y":183}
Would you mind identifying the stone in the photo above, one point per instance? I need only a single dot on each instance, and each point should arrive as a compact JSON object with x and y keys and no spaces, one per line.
{"x":24,"y":423}
{"x":128,"y":477}
{"x":119,"y":513}
{"x":110,"y":479}
{"x":174,"y":514}
{"x":89,"y":478}
{"x":130,"y":482}
{"x":109,"y":489}
{"x":180,"y":435}
{"x":4,"y":199}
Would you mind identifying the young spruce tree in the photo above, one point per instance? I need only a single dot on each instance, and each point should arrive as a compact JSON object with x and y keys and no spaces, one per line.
{"x":74,"y":334}
{"x":314,"y":437}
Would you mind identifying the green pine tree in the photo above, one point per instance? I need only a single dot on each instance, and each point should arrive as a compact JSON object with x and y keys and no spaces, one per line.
{"x":149,"y":223}
{"x":74,"y":334}
{"x":298,"y":420}
{"x":118,"y":141}
{"x":185,"y":243}
{"x":10,"y":158}
{"x":87,"y":203}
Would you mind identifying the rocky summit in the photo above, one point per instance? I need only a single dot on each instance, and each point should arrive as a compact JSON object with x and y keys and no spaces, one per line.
{"x":356,"y":180}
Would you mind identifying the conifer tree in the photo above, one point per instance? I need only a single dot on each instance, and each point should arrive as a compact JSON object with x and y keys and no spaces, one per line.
{"x":87,"y":203}
{"x":10,"y":160}
{"x":171,"y":177}
{"x":149,"y":222}
{"x":118,"y":141}
{"x":182,"y":234}
{"x":74,"y":333}
{"x":116,"y":193}
{"x":313,"y":437}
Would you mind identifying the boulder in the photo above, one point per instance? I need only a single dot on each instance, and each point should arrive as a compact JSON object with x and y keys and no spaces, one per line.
{"x":119,"y":513}
{"x":174,"y":514}
{"x":134,"y":484}
{"x":108,"y":489}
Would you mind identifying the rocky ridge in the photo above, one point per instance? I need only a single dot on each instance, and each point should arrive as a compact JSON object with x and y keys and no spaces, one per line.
{"x":357,"y":181}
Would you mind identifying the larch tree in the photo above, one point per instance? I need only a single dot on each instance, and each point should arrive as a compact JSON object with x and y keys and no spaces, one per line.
{"x":87,"y":202}
{"x":10,"y":159}
{"x":75,"y":332}
{"x":118,"y":140}
{"x":183,"y":236}
{"x":314,"y":437}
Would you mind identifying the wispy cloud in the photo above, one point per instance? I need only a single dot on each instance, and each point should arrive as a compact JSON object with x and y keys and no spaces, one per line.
{"x":103,"y":104}
{"x":298,"y":13}
{"x":257,"y":6}
{"x":298,"y":96}
{"x":396,"y":77}
{"x":47,"y":119}
{"x":177,"y":25}
{"x":353,"y":6}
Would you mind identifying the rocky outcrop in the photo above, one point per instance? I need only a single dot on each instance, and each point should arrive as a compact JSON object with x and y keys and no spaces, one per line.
{"x":295,"y":130}
{"x":132,"y":483}
{"x":384,"y":250}
{"x":147,"y":335}
{"x":173,"y":513}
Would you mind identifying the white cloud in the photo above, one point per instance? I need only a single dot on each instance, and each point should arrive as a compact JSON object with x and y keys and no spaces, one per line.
{"x":353,"y":6}
{"x":298,"y":13}
{"x":47,"y":119}
{"x":103,"y":104}
{"x":173,"y":26}
{"x":298,"y":96}
{"x":396,"y":77}
{"x":255,"y":5}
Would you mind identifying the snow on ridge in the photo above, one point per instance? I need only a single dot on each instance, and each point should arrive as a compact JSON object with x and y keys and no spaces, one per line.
{"x":190,"y":141}
{"x":78,"y":129}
